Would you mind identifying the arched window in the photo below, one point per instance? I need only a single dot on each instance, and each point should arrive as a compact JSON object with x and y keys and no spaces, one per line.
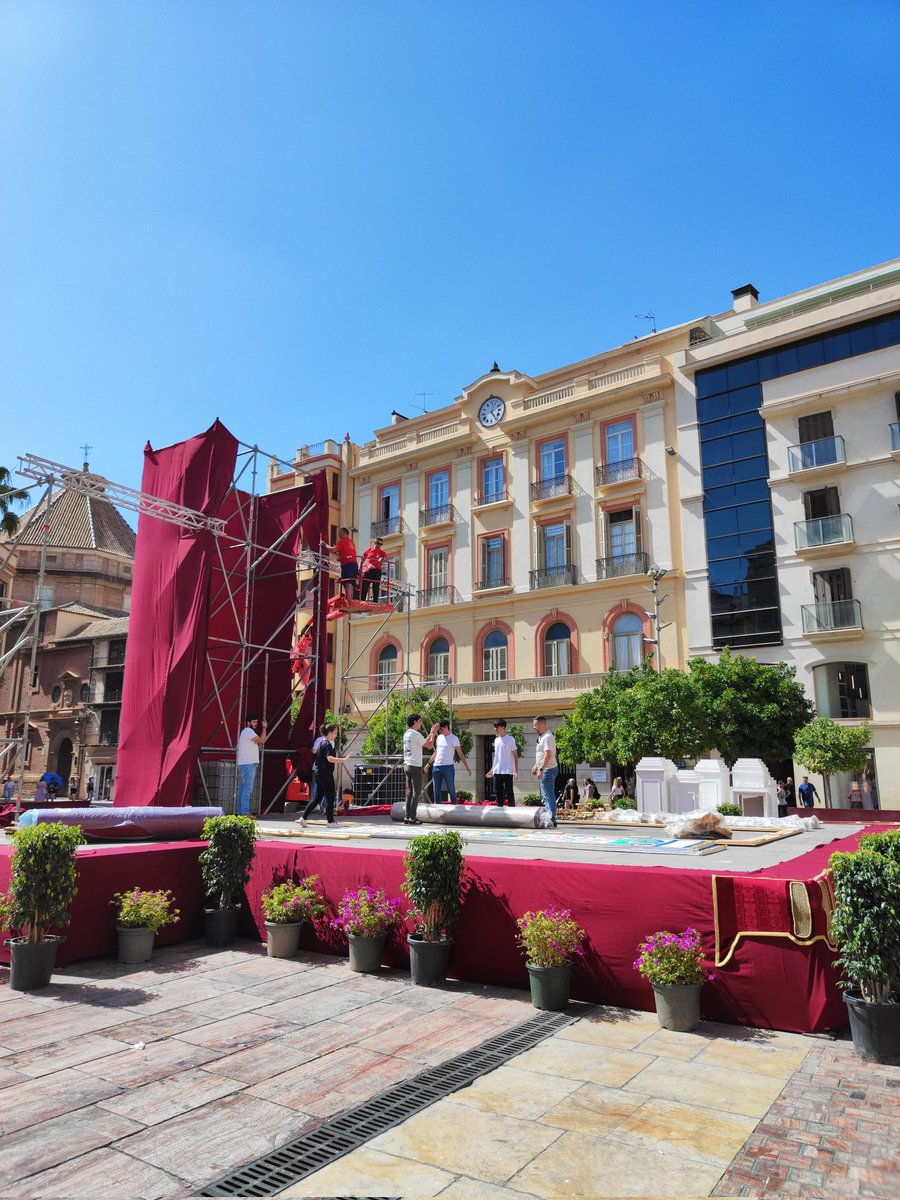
{"x":558,"y":649}
{"x":494,"y":657}
{"x":439,"y":659}
{"x":842,"y":690}
{"x":387,"y":667}
{"x":627,"y":642}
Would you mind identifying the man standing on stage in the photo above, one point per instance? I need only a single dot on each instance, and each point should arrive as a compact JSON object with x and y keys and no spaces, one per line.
{"x":546,"y":766}
{"x":372,"y":565}
{"x":505,"y":766}
{"x":251,"y":738}
{"x":413,"y":745}
{"x":446,"y":748}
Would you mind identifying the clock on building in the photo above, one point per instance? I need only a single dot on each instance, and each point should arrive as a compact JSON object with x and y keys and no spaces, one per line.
{"x":491,"y":412}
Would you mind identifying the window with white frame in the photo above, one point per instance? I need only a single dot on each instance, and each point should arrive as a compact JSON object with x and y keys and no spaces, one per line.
{"x":493,"y":561}
{"x":387,"y":667}
{"x":389,"y":502}
{"x":619,"y":438}
{"x":558,"y":649}
{"x":494,"y":656}
{"x":554,"y":546}
{"x":438,"y":489}
{"x":624,"y":532}
{"x":626,"y":642}
{"x":553,"y":459}
{"x":437,"y":567}
{"x":493,"y":480}
{"x":439,"y":659}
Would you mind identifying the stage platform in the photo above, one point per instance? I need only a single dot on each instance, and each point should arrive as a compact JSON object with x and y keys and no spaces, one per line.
{"x":763,"y":911}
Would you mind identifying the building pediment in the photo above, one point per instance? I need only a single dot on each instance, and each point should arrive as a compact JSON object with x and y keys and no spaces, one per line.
{"x":509,"y":385}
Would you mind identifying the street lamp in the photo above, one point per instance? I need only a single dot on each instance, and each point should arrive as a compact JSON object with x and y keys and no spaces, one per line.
{"x":656,"y":573}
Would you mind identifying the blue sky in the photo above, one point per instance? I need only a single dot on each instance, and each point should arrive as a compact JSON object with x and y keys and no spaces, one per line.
{"x":296,"y":216}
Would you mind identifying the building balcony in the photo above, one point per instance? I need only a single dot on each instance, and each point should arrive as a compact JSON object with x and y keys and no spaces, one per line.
{"x":497,"y":496}
{"x":433,"y":596}
{"x":555,"y":488}
{"x":895,"y":439}
{"x":548,"y":577}
{"x":497,"y":691}
{"x":823,"y":533}
{"x":622,"y":564}
{"x":627,"y":470}
{"x":390,"y":527}
{"x":492,"y":583}
{"x":835,"y":616}
{"x":825,"y":453}
{"x":438,"y":514}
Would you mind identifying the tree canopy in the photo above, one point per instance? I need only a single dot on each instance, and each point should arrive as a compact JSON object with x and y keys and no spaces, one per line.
{"x":10,"y":497}
{"x":393,"y":716}
{"x":825,"y":747}
{"x":738,"y":706}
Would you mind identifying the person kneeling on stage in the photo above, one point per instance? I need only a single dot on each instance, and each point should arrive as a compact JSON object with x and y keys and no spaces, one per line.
{"x":324,"y":767}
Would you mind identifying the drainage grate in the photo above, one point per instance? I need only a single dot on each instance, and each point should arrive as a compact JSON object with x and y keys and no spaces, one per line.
{"x":332,"y":1139}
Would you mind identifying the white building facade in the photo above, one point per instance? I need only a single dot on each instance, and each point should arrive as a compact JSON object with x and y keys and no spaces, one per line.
{"x":789,"y":442}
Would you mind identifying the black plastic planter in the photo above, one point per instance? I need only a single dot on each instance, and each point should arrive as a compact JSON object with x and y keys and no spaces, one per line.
{"x":32,"y":963}
{"x":220,"y":925}
{"x":428,"y":961}
{"x":875,"y":1029}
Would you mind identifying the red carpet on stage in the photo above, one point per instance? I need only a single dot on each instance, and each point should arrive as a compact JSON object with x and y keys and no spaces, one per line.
{"x":776,"y":982}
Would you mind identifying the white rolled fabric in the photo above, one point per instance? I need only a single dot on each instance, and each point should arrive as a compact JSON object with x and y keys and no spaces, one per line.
{"x":488,"y":816}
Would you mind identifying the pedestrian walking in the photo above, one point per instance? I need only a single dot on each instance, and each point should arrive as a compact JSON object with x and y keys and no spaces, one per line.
{"x":90,"y":790}
{"x":790,"y":793}
{"x":616,"y":792}
{"x":73,"y":788}
{"x":505,"y":765}
{"x":414,"y":742}
{"x":570,"y":794}
{"x":808,"y":793}
{"x":780,"y":797}
{"x":446,"y":748}
{"x":325,"y":762}
{"x":546,"y":766}
{"x":252,"y":736}
{"x":313,"y":784}
{"x":9,"y":789}
{"x":372,"y":567}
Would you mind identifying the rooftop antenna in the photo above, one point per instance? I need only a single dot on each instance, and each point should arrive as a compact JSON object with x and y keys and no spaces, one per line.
{"x":423,"y":396}
{"x":648,"y":316}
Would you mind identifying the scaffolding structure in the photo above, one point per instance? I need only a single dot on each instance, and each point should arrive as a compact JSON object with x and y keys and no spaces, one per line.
{"x":240,"y":556}
{"x":389,"y":766}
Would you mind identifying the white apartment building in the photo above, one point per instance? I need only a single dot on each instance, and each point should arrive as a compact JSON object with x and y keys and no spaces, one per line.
{"x":789,"y":441}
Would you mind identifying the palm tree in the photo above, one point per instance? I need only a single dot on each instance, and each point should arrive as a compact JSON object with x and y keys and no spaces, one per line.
{"x":9,"y":497}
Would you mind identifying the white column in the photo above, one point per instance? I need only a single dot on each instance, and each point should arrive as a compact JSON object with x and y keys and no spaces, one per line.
{"x":585,"y":540}
{"x":659,"y":544}
{"x":520,"y":529}
{"x":410,"y":514}
{"x":462,"y":549}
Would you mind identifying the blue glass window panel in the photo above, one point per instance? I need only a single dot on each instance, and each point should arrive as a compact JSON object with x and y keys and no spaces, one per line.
{"x":751,"y":468}
{"x":768,"y":366}
{"x":862,"y":340}
{"x":810,"y":354}
{"x":741,"y":374}
{"x":721,"y":521}
{"x":757,"y":541}
{"x":734,"y":493}
{"x":736,"y":424}
{"x":749,"y":443}
{"x":887,"y":332}
{"x":787,"y":361}
{"x":733,"y":570}
{"x":718,"y":450}
{"x":712,"y":408}
{"x":755,"y":516}
{"x":709,"y":383}
{"x":836,"y":346}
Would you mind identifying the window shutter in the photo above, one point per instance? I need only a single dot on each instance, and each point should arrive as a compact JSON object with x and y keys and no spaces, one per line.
{"x":539,"y":556}
{"x":568,"y":528}
{"x":638,"y":533}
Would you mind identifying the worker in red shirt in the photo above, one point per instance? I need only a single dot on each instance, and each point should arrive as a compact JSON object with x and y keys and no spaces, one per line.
{"x":345,"y":549}
{"x":372,"y":566}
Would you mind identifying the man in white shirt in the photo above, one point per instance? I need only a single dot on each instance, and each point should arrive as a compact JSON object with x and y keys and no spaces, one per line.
{"x":505,"y":766}
{"x":413,"y":744}
{"x":546,"y":766}
{"x":446,"y":748}
{"x":251,"y":738}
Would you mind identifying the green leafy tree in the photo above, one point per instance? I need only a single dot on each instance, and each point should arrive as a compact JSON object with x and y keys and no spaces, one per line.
{"x":435,"y":869}
{"x":749,"y":709}
{"x":587,"y":733}
{"x":10,"y":498}
{"x":658,"y":715}
{"x":225,"y":863}
{"x":825,"y":747}
{"x":517,"y":733}
{"x":388,"y":725}
{"x":866,"y":921}
{"x":44,"y":879}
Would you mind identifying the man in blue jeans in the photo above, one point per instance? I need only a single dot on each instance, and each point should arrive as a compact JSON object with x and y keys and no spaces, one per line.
{"x":546,"y":766}
{"x":446,"y":748}
{"x":251,"y":738}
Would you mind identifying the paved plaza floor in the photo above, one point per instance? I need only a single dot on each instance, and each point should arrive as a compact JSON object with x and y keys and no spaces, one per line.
{"x":155,"y":1081}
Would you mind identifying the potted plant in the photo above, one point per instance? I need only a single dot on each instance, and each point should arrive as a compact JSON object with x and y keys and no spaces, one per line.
{"x":139,"y":915}
{"x":287,"y":907}
{"x":434,"y":886}
{"x":673,"y":964}
{"x":866,"y":926}
{"x":42,"y":888}
{"x":550,"y":937}
{"x":366,"y":916}
{"x":225,"y":868}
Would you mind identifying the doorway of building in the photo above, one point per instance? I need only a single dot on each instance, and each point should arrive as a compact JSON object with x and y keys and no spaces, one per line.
{"x":64,"y":762}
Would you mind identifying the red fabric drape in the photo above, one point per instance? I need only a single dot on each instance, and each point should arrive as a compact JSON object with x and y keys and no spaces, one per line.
{"x":159,"y":733}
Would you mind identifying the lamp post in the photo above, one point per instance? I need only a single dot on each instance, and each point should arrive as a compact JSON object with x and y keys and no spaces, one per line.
{"x":656,"y":573}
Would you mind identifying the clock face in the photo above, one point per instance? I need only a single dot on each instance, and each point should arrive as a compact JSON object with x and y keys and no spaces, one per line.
{"x":491,"y":412}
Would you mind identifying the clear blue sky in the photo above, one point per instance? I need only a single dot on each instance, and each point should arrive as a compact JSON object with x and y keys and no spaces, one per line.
{"x":295,"y":216}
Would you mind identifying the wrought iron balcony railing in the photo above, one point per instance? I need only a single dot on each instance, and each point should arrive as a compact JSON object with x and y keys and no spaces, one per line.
{"x":438,"y":514}
{"x":824,"y":452}
{"x":557,"y":485}
{"x":622,"y":564}
{"x":492,"y":581}
{"x":552,"y":576}
{"x":493,"y":496}
{"x":618,"y":472}
{"x":826,"y":616}
{"x":429,"y":597}
{"x":388,"y":527}
{"x":823,"y":531}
